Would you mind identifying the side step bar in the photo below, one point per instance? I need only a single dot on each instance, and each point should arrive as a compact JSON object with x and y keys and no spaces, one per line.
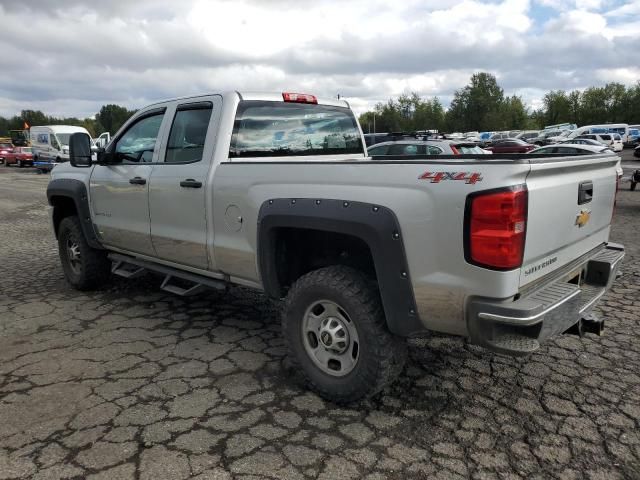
{"x":175,"y":281}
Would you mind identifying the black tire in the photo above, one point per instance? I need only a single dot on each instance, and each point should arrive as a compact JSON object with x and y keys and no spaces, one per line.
{"x":20,"y":164}
{"x":633,"y":186}
{"x":381,"y":355}
{"x":91,"y":268}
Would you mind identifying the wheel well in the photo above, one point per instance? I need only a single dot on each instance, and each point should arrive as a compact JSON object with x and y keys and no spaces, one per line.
{"x":299,"y":251}
{"x":62,"y":207}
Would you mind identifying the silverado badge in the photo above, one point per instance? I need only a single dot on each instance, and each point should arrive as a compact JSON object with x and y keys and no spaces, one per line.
{"x":583,"y":218}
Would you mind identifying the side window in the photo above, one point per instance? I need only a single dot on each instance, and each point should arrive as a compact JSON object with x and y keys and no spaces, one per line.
{"x":381,"y":150}
{"x":136,"y":145}
{"x":188,"y":133}
{"x":566,"y":150}
{"x":434,"y":150}
{"x":43,"y":138}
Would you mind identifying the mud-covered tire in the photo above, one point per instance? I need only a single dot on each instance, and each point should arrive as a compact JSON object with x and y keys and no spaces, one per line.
{"x":85,"y":268}
{"x":381,"y":355}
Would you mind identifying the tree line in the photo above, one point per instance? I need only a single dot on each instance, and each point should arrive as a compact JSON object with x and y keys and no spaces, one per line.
{"x":109,"y":119}
{"x":482,"y":106}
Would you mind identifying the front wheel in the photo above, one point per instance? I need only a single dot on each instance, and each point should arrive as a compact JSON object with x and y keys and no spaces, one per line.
{"x":336,"y":334}
{"x":85,"y":268}
{"x":20,"y":164}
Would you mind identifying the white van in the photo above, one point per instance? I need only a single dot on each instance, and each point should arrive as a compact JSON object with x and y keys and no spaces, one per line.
{"x":50,"y":144}
{"x":620,"y":128}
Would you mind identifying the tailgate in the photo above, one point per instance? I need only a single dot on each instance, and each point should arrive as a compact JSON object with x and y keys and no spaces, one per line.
{"x":570,"y":206}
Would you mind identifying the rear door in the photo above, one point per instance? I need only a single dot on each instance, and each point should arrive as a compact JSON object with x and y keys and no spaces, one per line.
{"x":570,"y":206}
{"x":178,"y":186}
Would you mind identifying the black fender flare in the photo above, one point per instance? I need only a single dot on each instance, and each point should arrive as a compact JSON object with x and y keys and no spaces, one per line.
{"x":76,"y":191}
{"x":376,"y":225}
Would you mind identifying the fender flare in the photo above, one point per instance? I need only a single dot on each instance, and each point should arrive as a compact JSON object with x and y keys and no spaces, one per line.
{"x":76,"y":191}
{"x":376,"y":225}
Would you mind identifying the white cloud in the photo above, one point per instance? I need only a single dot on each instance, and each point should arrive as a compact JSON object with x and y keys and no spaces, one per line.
{"x":75,"y":56}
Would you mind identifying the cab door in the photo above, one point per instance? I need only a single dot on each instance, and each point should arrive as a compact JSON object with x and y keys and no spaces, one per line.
{"x":120,"y":192}
{"x":178,"y":187}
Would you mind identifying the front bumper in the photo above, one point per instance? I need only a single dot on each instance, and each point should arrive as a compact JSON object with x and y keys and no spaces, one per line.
{"x":519,"y":327}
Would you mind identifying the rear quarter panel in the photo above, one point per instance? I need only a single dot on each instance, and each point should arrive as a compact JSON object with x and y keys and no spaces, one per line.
{"x":430,"y":214}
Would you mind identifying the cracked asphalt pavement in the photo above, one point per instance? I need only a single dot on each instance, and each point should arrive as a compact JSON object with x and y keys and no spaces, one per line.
{"x":131,"y":382}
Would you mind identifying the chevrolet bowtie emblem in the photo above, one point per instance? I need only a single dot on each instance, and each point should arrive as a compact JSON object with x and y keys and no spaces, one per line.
{"x":583,"y":218}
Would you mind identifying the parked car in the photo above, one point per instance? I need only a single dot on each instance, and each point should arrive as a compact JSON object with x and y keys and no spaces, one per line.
{"x":617,"y":143}
{"x":605,"y":139}
{"x":427,"y":147}
{"x":572,"y":149}
{"x":5,"y":149}
{"x":21,"y":156}
{"x":497,"y":137}
{"x":636,"y":152}
{"x":577,"y":149}
{"x":583,"y":141}
{"x":528,"y":135}
{"x":635,"y":178}
{"x":545,"y":136}
{"x":511,"y":145}
{"x":363,"y":252}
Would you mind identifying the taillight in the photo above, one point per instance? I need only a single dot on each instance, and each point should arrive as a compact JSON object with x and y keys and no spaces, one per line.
{"x":299,"y":98}
{"x":455,"y":150}
{"x":495,"y":228}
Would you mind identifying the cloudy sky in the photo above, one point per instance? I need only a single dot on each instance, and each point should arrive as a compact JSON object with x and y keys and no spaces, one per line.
{"x":69,"y":57}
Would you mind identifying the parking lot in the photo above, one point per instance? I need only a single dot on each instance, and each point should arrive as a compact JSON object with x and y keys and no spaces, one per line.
{"x":131,"y":382}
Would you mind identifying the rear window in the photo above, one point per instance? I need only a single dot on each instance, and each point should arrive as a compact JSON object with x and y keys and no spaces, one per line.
{"x":470,"y":150}
{"x":278,"y":129}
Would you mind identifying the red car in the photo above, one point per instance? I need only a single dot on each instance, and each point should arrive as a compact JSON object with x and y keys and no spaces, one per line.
{"x":5,"y":149}
{"x":21,"y":156}
{"x":511,"y":145}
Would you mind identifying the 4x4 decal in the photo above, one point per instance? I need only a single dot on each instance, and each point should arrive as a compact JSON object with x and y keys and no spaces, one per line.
{"x":437,"y":177}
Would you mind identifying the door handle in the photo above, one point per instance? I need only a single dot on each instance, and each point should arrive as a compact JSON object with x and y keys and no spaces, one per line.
{"x":190,"y":183}
{"x":585,"y":192}
{"x":137,"y":181}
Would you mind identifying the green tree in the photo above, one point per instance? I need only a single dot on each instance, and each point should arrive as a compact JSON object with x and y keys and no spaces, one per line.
{"x":514,"y":114}
{"x":557,"y":107}
{"x":111,"y":117}
{"x":477,"y":106}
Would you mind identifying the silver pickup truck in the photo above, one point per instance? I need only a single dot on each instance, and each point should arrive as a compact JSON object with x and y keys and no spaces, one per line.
{"x":276,"y":192}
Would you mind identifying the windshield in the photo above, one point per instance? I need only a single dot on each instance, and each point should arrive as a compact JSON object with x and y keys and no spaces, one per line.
{"x":63,"y":138}
{"x":270,"y":129}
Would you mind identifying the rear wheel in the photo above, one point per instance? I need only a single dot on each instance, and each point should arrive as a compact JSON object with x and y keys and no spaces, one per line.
{"x":633,"y":186}
{"x":336,"y":334}
{"x":85,"y":268}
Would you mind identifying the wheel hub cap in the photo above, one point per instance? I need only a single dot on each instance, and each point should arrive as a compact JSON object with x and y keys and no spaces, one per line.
{"x":334,"y":335}
{"x":330,"y":338}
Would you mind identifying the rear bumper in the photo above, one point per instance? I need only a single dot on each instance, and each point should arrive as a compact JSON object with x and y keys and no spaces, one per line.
{"x":519,"y":327}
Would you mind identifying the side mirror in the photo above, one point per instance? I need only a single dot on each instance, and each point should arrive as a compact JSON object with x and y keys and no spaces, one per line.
{"x":80,"y":150}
